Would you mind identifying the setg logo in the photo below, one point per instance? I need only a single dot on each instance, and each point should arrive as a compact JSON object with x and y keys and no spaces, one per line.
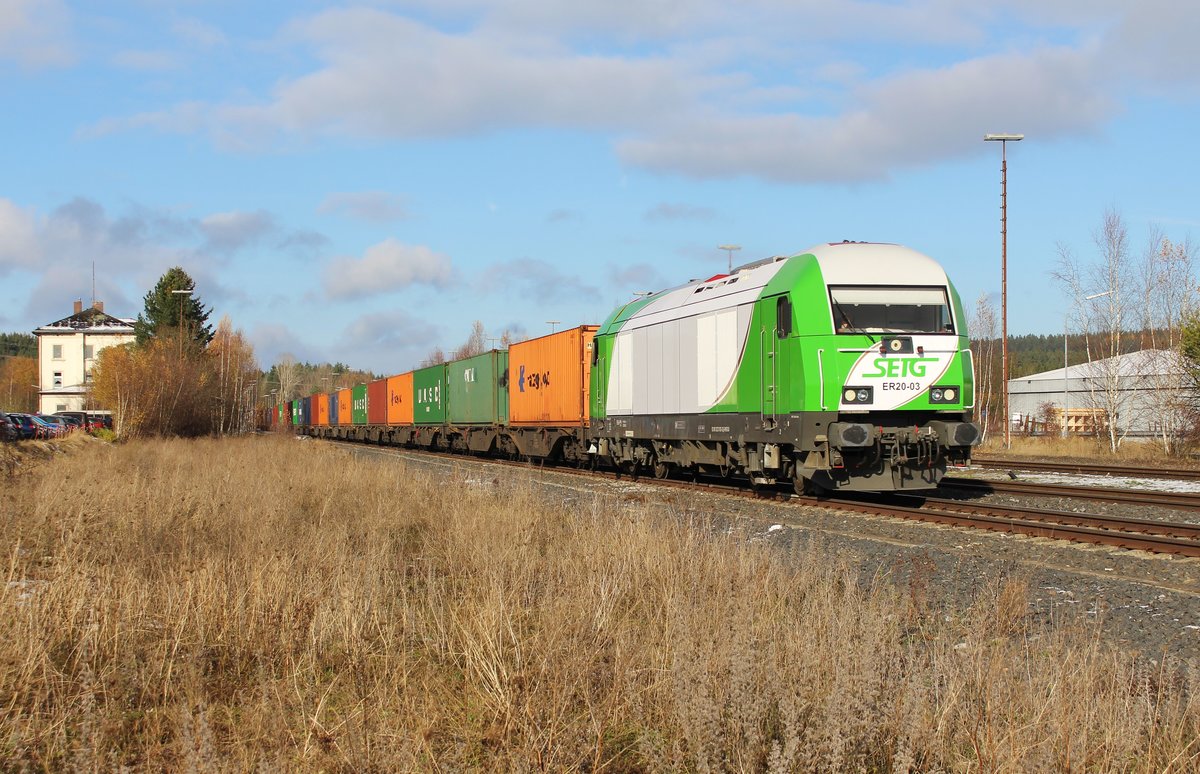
{"x":898,"y":367}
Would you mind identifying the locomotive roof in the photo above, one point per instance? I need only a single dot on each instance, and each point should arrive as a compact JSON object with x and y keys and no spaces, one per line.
{"x":841,"y":263}
{"x":862,"y":263}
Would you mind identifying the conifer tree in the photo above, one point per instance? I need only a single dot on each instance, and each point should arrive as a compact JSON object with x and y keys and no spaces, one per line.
{"x":163,"y":308}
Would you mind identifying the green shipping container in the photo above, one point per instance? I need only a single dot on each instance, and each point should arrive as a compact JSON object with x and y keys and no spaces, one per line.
{"x":478,"y":388}
{"x":429,"y":395}
{"x":358,"y":404}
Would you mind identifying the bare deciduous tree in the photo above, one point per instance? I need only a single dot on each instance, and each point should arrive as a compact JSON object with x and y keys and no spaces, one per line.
{"x":1168,"y":298}
{"x":288,"y":372}
{"x":983,"y":349}
{"x":1099,"y":297}
{"x":476,"y":343}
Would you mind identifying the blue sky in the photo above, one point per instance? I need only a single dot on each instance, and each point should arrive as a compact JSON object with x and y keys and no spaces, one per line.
{"x":359,"y":182}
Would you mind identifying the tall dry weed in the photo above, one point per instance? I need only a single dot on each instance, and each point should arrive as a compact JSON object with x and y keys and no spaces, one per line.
{"x":269,"y":604}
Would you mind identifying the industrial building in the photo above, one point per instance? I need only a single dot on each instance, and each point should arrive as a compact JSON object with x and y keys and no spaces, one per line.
{"x":1143,"y":392}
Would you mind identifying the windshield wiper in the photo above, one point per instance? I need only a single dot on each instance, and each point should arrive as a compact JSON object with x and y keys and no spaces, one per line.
{"x":849,"y":324}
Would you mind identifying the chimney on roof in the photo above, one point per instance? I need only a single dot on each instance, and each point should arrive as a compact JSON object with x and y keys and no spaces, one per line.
{"x":98,"y":306}
{"x":78,"y":305}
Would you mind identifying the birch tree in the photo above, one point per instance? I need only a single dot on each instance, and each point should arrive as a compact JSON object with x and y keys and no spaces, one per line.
{"x":1168,"y":285}
{"x":983,"y":352}
{"x":1099,"y":294}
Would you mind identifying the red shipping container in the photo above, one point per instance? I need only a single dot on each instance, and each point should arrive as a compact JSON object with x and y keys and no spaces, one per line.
{"x":377,"y":402}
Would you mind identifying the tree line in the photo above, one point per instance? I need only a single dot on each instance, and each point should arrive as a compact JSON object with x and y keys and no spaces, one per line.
{"x":18,"y":372}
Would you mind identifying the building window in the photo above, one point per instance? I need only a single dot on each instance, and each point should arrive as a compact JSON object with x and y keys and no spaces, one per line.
{"x":58,"y":378}
{"x":56,"y":351}
{"x":87,"y":351}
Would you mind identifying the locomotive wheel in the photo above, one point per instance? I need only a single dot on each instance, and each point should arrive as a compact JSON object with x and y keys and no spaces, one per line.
{"x":808,"y":487}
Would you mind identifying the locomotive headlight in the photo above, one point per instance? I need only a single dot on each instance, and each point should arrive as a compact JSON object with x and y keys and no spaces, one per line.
{"x":943,"y":395}
{"x":852,"y":395}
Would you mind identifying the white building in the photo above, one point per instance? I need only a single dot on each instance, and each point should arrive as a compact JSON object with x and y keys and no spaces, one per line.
{"x":67,"y":350}
{"x":1142,"y":391}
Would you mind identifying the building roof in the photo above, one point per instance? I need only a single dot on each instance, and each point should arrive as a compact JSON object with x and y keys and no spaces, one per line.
{"x":1147,"y":362}
{"x":90,"y":320}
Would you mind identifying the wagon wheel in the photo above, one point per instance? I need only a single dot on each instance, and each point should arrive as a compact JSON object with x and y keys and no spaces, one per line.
{"x":662,"y":469}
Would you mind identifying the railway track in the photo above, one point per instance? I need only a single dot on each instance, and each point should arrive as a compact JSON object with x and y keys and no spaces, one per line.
{"x":1130,"y":471}
{"x":1183,"y":501}
{"x":1139,"y":534}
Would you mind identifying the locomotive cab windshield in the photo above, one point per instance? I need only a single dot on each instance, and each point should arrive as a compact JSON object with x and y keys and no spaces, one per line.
{"x":872,"y":309}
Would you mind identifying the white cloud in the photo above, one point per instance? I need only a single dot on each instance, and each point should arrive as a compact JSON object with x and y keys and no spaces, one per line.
{"x":371,"y":206}
{"x":708,"y":89}
{"x":536,"y":279}
{"x":231,"y":231}
{"x":637,"y":278}
{"x":388,"y":342}
{"x":385,"y":267}
{"x":128,"y":250}
{"x":908,"y":120}
{"x":1156,"y":41}
{"x":451,"y":85}
{"x":18,"y":237}
{"x":35,"y":33}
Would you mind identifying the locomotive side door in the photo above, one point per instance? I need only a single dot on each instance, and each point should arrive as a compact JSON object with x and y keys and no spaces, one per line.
{"x":774,"y":328}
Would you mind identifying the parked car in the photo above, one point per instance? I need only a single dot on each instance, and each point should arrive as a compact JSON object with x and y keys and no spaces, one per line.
{"x":56,"y":427}
{"x":88,"y":420}
{"x":72,"y":419}
{"x":26,"y":426}
{"x":98,"y":421}
{"x":8,"y":429}
{"x":76,"y":418}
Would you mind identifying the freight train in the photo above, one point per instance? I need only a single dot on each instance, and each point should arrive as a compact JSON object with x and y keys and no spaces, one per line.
{"x":844,"y":367}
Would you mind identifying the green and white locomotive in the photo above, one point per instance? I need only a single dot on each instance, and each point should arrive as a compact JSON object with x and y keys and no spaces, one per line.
{"x":843,"y":367}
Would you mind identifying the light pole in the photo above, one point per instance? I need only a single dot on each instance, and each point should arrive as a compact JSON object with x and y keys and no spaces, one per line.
{"x":179,"y":320}
{"x":1004,"y":140}
{"x":730,"y":250}
{"x":552,"y":323}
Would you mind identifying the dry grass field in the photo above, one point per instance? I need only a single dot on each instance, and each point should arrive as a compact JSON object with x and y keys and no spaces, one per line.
{"x":1090,"y":449}
{"x":267,"y":604}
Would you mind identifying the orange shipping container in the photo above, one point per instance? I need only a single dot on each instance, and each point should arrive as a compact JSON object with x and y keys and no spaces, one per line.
{"x":548,"y":379}
{"x":399,"y":399}
{"x":320,"y":410}
{"x":345,"y":407}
